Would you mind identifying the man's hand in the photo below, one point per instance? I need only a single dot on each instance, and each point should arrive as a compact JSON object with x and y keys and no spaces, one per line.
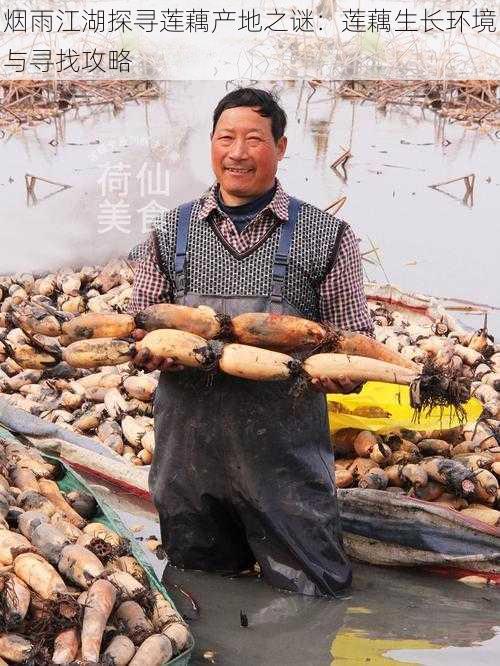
{"x":145,"y":360}
{"x":342,"y":385}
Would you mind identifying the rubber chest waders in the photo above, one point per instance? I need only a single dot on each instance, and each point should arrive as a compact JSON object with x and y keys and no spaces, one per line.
{"x":242,"y":471}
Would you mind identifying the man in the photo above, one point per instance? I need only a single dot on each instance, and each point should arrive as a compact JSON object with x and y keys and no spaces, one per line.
{"x":242,"y":471}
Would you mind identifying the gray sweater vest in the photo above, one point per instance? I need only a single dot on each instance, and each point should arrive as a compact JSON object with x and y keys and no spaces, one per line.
{"x":214,"y":269}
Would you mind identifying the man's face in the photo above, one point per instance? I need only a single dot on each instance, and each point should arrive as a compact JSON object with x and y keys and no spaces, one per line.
{"x":244,"y":154}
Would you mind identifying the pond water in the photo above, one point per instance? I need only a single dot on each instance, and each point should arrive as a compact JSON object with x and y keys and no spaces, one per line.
{"x":428,"y":241}
{"x":389,"y":617}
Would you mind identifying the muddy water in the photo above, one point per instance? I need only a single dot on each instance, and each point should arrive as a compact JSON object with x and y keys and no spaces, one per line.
{"x":389,"y":617}
{"x":429,"y":241}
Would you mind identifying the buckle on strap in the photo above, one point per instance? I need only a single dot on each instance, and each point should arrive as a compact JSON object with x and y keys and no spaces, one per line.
{"x":280,"y":268}
{"x":280,"y":259}
{"x":180,"y":283}
{"x":276,"y":295}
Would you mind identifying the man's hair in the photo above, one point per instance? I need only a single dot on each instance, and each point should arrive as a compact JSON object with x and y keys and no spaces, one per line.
{"x":265,"y":101}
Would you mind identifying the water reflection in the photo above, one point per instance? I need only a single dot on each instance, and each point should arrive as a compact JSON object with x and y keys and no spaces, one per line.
{"x":411,"y":617}
{"x":481,"y":653}
{"x":320,"y":130}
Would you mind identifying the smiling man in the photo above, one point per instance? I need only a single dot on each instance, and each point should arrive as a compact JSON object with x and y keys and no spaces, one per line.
{"x":243,"y":472}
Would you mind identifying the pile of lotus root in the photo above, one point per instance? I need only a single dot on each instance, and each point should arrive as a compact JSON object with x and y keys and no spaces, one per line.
{"x":113,"y":403}
{"x":70,"y":590}
{"x":458,"y":468}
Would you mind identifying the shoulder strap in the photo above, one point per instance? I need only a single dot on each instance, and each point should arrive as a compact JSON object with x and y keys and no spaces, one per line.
{"x":336,"y":248}
{"x":181,"y":247}
{"x":280,"y":265}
